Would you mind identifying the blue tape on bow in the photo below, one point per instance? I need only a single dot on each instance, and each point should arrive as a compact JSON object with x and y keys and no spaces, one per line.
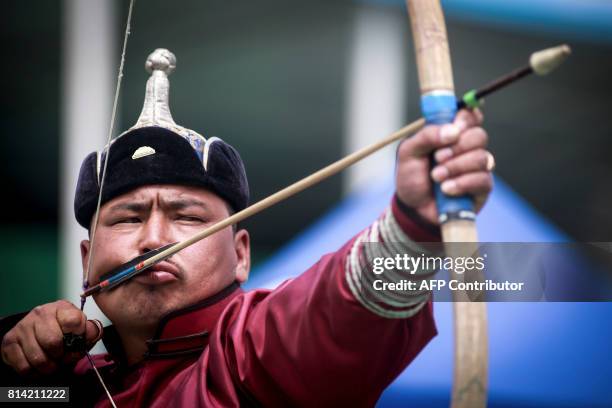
{"x":440,"y":108}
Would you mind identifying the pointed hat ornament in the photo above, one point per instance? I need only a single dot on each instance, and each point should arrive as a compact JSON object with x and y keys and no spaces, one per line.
{"x":156,"y":108}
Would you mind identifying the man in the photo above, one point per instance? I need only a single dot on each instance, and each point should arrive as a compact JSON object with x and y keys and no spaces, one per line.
{"x":184,"y":333}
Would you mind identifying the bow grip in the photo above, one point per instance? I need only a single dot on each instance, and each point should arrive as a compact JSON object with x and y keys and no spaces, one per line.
{"x":439,"y":108}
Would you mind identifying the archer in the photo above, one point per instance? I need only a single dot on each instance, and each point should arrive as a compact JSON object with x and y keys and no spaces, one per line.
{"x":183,"y":332}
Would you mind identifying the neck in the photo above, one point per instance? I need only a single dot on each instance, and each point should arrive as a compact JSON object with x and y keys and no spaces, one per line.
{"x":198,"y":319}
{"x":135,"y":342}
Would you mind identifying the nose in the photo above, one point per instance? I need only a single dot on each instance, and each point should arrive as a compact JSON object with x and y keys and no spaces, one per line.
{"x":154,"y":233}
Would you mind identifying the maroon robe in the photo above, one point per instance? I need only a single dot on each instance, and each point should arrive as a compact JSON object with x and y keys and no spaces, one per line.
{"x":308,"y":342}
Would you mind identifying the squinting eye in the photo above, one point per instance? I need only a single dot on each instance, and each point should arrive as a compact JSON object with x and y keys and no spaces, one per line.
{"x":190,"y":218}
{"x":133,"y":220}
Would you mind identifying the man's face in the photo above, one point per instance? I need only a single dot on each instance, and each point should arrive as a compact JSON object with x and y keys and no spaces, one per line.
{"x":148,"y":218}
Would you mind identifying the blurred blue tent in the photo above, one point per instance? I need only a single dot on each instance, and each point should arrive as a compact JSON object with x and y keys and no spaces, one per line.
{"x":541,"y":354}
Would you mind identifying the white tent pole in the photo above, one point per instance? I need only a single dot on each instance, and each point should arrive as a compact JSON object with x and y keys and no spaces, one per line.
{"x":88,"y":71}
{"x":376,"y":90}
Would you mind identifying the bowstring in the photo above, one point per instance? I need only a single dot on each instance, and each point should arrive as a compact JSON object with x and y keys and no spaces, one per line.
{"x":108,"y":394}
{"x":111,"y":129}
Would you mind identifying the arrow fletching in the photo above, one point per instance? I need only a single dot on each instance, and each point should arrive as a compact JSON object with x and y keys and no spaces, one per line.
{"x":545,"y":61}
{"x":126,"y":271}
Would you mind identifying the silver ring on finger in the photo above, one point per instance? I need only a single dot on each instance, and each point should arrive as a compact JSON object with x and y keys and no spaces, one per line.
{"x":100,"y":328}
{"x":490,"y":162}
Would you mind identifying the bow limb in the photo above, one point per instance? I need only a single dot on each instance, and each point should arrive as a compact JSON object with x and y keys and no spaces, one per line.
{"x":457,"y":216}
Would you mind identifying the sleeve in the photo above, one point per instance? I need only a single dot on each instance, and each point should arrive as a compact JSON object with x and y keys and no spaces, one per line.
{"x":314,"y":342}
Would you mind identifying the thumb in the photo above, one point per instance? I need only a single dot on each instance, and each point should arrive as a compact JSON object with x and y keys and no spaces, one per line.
{"x":71,"y":320}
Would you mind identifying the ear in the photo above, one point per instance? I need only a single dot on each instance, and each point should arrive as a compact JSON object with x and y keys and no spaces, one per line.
{"x":85,"y":245}
{"x":242,"y":244}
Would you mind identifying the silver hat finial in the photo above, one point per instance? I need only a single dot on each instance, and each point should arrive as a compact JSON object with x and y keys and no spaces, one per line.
{"x":161,"y":60}
{"x":156,"y":108}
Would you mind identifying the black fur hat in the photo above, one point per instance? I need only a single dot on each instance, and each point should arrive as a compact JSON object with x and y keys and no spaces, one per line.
{"x":158,"y":151}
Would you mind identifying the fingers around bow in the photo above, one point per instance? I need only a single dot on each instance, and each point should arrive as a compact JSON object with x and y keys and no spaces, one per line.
{"x":472,"y":161}
{"x":432,"y":137}
{"x":477,"y":184}
{"x":469,"y":117}
{"x":472,"y":139}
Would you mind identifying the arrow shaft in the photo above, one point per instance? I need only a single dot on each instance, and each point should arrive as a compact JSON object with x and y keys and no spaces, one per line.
{"x":494,"y":85}
{"x":267,"y":202}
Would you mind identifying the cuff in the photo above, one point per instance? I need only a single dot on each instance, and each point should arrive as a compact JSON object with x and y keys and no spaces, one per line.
{"x":413,"y":225}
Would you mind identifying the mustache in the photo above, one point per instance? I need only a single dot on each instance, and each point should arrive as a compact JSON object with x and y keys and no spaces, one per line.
{"x":168,"y":265}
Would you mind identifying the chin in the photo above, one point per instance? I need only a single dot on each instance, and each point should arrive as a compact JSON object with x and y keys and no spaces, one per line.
{"x":142,"y":308}
{"x":153,"y":305}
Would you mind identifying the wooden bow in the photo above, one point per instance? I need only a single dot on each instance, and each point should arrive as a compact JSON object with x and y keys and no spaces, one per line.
{"x":456,"y":215}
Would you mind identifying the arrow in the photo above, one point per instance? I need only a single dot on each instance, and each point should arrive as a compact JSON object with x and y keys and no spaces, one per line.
{"x":126,"y":271}
{"x":540,"y":63}
{"x":139,"y":264}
